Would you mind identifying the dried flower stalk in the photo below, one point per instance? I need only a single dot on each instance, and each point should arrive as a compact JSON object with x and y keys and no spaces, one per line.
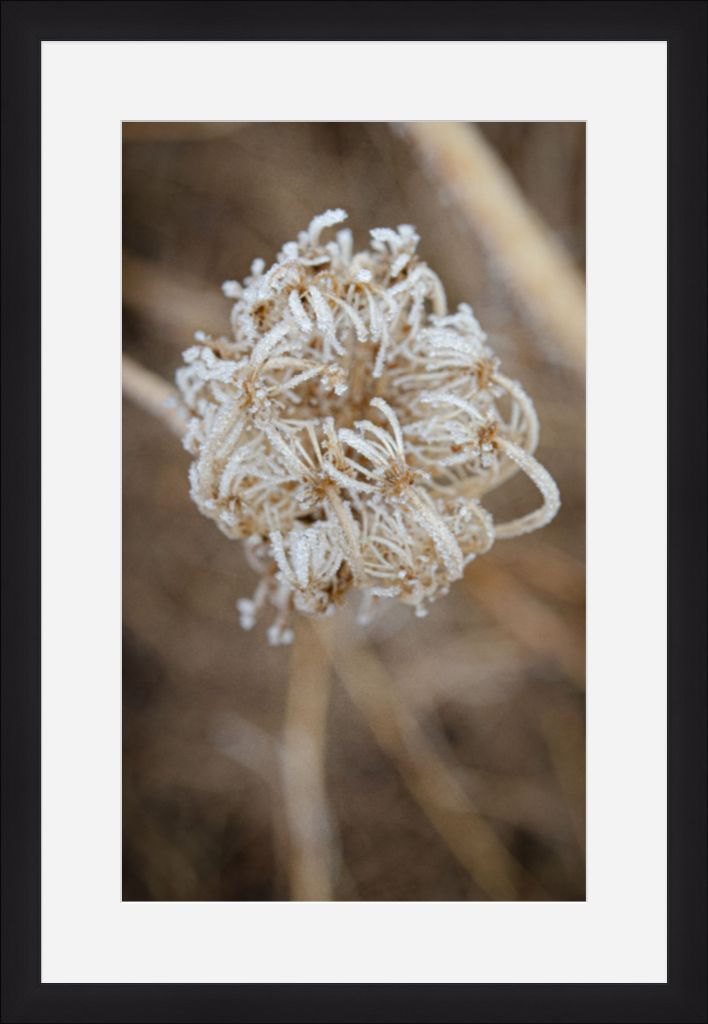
{"x":311,"y":831}
{"x":430,"y":780}
{"x":348,"y":427}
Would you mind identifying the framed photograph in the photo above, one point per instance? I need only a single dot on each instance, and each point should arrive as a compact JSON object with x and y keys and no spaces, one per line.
{"x":354,"y":512}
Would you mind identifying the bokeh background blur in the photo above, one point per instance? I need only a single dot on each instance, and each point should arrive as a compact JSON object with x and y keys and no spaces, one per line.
{"x":449,"y":745}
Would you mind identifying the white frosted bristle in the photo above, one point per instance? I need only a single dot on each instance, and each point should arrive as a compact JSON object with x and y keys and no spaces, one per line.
{"x":231,"y":289}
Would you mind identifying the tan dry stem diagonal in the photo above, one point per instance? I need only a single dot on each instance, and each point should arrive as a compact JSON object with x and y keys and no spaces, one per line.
{"x":431,"y":782}
{"x":537,"y":267}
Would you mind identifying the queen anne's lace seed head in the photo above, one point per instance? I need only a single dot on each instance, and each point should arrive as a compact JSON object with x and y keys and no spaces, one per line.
{"x":349,"y":426}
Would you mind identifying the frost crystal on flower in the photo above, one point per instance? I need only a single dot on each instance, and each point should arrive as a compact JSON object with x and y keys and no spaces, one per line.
{"x":349,"y":426}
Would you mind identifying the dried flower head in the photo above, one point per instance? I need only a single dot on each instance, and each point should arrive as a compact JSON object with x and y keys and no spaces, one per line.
{"x":349,"y":427}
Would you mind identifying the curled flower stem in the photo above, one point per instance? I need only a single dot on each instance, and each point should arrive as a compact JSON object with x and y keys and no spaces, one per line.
{"x":545,"y":484}
{"x":345,"y":523}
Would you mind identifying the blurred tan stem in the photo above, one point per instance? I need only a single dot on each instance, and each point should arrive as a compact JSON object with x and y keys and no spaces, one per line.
{"x":564,"y":732}
{"x":304,"y":754}
{"x":535,"y":264}
{"x":531,"y":622}
{"x":471,"y":840}
{"x":176,"y":301}
{"x":154,"y":395}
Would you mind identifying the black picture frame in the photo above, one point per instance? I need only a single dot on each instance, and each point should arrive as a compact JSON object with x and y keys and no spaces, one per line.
{"x":25,"y":25}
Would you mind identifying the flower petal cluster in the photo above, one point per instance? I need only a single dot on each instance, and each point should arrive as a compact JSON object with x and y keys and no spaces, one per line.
{"x":348,"y":427}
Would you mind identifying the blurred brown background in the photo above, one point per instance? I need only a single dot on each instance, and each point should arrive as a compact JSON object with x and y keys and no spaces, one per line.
{"x":469,"y":724}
